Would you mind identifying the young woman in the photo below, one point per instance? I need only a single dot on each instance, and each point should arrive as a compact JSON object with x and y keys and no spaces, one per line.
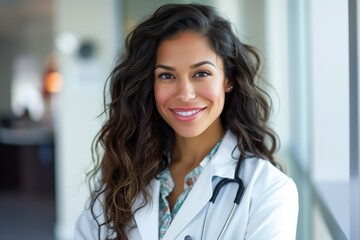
{"x":186,"y":121}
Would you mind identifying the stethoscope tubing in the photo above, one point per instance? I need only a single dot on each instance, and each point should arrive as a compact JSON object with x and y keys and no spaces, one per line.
{"x":208,"y":209}
{"x":228,"y":220}
{"x":235,"y":206}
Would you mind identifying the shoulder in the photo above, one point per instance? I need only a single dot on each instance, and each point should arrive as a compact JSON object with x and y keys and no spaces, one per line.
{"x":257,"y":169}
{"x":258,"y":175}
{"x":272,"y":200}
{"x":89,"y":223}
{"x":261,"y":177}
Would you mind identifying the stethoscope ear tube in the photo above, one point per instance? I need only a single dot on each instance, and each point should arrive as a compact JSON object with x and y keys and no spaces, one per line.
{"x":218,"y":188}
{"x":240,"y":190}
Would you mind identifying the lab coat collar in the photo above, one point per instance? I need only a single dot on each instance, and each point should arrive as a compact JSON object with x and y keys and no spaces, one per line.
{"x":225,"y":159}
{"x":222,"y":165}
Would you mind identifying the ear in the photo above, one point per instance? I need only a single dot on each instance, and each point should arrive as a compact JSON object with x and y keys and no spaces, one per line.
{"x":228,"y":86}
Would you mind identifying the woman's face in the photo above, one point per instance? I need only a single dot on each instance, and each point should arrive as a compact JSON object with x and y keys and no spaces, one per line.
{"x":189,"y":84}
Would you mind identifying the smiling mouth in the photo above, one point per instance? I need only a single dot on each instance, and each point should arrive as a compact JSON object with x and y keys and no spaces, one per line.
{"x":187,"y":113}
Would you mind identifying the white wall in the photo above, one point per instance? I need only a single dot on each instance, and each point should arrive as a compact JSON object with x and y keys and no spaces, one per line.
{"x":329,"y":47}
{"x":80,"y":101}
{"x":277,"y":62}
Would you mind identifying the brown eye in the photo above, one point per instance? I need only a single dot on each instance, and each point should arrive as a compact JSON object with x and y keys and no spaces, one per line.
{"x":202,"y":74}
{"x":166,"y":76}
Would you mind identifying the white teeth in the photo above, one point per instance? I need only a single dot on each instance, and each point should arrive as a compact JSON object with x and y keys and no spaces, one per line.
{"x":187,"y":113}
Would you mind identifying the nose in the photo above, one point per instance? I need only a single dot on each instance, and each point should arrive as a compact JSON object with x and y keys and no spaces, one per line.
{"x":186,"y":91}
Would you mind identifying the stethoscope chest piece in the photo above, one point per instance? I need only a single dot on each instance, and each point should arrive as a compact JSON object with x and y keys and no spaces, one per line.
{"x":187,"y":237}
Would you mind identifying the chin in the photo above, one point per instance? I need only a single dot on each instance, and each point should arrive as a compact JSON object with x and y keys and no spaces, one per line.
{"x":188,"y":133}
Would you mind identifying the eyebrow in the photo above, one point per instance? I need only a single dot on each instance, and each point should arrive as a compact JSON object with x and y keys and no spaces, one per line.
{"x":196,"y":65}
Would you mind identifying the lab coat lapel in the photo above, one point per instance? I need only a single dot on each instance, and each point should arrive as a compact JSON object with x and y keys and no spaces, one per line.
{"x":147,"y":217}
{"x":225,"y":159}
{"x":198,"y":197}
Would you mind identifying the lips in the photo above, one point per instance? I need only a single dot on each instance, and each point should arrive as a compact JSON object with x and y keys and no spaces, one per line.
{"x":186,"y":114}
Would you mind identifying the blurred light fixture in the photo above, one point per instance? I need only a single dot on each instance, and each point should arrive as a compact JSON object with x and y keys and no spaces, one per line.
{"x":53,"y":82}
{"x":67,"y":43}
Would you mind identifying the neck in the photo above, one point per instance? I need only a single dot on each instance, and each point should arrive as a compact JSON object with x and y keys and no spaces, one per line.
{"x":189,"y":152}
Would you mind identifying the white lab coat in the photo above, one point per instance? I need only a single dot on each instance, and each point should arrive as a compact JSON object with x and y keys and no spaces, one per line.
{"x":268,"y":209}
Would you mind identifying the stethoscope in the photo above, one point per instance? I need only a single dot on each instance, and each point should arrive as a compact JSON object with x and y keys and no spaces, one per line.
{"x":236,"y":204}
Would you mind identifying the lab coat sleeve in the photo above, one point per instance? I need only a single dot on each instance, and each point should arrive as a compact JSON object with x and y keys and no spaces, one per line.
{"x":86,"y":227}
{"x":274,"y":214}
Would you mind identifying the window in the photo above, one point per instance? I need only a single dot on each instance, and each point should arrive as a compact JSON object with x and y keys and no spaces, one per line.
{"x":324,"y":117}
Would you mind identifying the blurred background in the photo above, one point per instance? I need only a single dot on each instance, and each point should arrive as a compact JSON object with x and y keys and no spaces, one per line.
{"x":55,"y":56}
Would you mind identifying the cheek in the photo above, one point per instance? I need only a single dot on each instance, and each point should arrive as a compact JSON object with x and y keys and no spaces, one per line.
{"x":213,"y":94}
{"x":161,"y":96}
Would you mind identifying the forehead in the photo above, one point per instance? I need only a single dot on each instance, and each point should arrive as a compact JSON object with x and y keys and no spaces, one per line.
{"x":185,"y":47}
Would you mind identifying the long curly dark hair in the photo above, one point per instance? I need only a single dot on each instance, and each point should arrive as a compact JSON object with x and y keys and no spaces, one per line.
{"x":134,"y":137}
